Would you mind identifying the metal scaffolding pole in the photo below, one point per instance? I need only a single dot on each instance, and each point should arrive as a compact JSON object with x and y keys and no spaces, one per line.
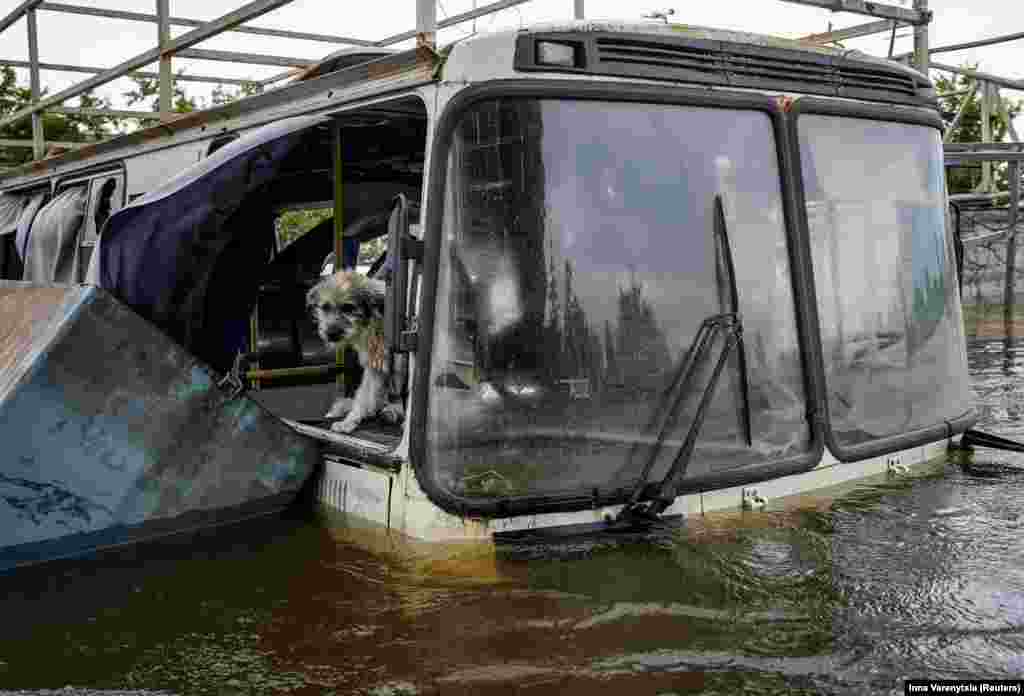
{"x":246,"y":58}
{"x":62,"y":67}
{"x":986,"y":135}
{"x":163,"y":37}
{"x":38,"y":143}
{"x":971,"y":44}
{"x":111,"y":113}
{"x":1011,"y":243}
{"x":15,"y":14}
{"x":851,"y":32}
{"x":454,"y":19}
{"x":1005,"y":113}
{"x":426,"y":23}
{"x":180,"y":21}
{"x":987,"y":77}
{"x":872,"y":9}
{"x":252,"y":9}
{"x":9,"y":142}
{"x":921,"y":38}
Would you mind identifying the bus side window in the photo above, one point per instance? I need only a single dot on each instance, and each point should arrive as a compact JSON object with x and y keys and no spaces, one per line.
{"x":106,"y":195}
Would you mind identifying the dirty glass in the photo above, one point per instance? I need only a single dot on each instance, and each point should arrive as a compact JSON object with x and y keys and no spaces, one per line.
{"x":578,"y":261}
{"x":885,"y":276}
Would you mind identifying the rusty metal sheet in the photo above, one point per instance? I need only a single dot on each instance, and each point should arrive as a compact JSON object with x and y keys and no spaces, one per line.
{"x":110,"y":432}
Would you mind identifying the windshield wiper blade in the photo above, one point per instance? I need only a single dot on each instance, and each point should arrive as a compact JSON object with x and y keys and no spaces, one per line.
{"x":725,"y":267}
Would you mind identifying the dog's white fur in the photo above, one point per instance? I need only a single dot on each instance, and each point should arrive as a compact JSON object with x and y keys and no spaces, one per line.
{"x":348,"y":309}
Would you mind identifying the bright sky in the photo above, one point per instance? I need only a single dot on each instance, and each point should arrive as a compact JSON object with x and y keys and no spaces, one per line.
{"x":83,"y":40}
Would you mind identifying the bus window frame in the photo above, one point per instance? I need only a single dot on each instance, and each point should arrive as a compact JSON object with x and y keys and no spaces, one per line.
{"x":799,"y":261}
{"x":872,"y":112}
{"x":88,"y":235}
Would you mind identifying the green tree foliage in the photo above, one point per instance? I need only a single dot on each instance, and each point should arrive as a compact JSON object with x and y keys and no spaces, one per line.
{"x":147,"y":91}
{"x":56,"y":127}
{"x":292,"y":224}
{"x":76,"y":128}
{"x":962,"y":179}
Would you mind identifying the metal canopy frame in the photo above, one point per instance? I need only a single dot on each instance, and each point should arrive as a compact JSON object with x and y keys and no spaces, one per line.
{"x":888,"y":18}
{"x":425,"y":34}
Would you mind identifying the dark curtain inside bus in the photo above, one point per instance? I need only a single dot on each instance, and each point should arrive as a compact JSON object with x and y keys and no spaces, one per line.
{"x":165,"y":255}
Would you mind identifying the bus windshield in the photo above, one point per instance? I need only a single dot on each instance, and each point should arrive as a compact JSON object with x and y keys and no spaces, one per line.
{"x":891,"y":328}
{"x":578,"y":262}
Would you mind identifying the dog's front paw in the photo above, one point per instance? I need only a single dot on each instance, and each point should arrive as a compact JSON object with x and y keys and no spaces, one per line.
{"x":345,"y":426}
{"x":339,"y":408}
{"x":393,"y":413}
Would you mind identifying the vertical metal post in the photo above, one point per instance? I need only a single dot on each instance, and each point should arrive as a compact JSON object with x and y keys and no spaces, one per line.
{"x":1005,"y":113}
{"x":986,"y":135}
{"x":38,"y":144}
{"x":163,"y":32}
{"x":1009,"y":296}
{"x":921,"y":40}
{"x":339,"y":227}
{"x":426,"y":23}
{"x":578,"y":9}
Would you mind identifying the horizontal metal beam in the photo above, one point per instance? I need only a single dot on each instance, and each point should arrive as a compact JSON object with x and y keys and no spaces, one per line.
{"x":971,"y":44}
{"x":281,"y":76}
{"x":182,"y":22}
{"x":248,"y":58}
{"x":980,"y":76}
{"x":851,"y":32}
{"x":112,"y":113}
{"x":455,"y":19}
{"x":982,"y":147}
{"x":16,"y":14}
{"x":61,"y":67}
{"x":252,"y":9}
{"x":872,"y":9}
{"x":954,"y":159}
{"x":7,"y":142}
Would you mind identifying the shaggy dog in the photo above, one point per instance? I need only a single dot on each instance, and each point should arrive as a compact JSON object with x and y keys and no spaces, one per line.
{"x":348,"y":309}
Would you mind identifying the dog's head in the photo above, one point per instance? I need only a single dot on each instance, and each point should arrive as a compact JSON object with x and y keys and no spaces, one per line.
{"x":347,"y":307}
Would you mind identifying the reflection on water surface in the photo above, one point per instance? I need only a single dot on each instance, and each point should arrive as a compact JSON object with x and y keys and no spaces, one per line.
{"x":901,"y":578}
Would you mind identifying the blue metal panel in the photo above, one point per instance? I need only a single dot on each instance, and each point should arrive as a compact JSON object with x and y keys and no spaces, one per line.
{"x":107,"y":427}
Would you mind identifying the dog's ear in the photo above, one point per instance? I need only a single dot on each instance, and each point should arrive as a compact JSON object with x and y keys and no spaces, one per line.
{"x":313,"y":297}
{"x":370,"y":301}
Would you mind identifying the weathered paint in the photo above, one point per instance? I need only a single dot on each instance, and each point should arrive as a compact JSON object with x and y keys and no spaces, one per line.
{"x":108,"y":425}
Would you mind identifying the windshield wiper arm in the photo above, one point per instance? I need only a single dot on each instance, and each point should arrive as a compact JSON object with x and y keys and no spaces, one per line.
{"x":710,"y":328}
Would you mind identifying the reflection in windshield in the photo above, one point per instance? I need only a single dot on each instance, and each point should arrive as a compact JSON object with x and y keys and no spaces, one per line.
{"x":579,"y":262}
{"x":890,"y":323}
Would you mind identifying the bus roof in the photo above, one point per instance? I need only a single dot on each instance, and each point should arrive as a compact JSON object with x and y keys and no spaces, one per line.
{"x":340,"y":78}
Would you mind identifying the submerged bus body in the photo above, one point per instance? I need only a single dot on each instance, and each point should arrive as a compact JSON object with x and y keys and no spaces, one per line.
{"x":647,"y":270}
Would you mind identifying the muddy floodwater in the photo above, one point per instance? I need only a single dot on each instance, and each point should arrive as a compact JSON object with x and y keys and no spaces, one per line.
{"x":850,"y":594}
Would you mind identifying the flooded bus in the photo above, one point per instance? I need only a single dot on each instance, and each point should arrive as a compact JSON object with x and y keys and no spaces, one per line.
{"x":629,"y":271}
